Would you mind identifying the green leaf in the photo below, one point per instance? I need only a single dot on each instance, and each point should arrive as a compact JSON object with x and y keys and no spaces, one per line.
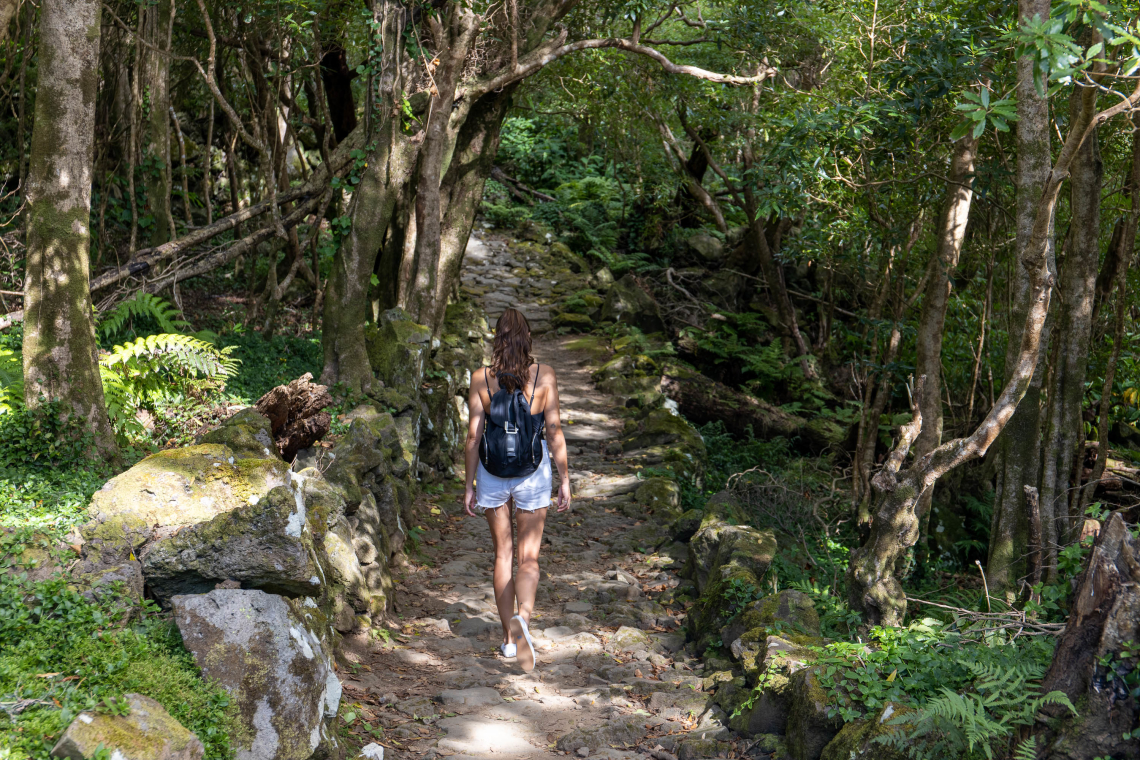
{"x":979,"y":128}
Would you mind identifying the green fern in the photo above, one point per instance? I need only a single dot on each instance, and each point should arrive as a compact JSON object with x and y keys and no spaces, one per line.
{"x":142,"y":306}
{"x":154,"y":366}
{"x":11,"y":380}
{"x":143,"y":371}
{"x":1026,"y":750}
{"x":970,"y":724}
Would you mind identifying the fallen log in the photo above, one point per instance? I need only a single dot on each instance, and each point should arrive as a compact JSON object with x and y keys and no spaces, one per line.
{"x":143,"y":261}
{"x":296,"y":414}
{"x":702,"y":400}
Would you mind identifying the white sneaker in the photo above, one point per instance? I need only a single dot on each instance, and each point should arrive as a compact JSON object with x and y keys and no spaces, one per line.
{"x":526,"y":656}
{"x":508,"y":650}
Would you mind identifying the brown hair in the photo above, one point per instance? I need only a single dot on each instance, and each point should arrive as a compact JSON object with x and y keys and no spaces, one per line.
{"x":511,"y":350}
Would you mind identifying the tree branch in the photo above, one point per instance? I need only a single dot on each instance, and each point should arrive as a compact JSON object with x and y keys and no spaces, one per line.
{"x":556,"y":49}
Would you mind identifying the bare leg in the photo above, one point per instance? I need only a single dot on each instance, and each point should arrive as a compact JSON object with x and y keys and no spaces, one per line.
{"x":500,"y":522}
{"x":530,"y":541}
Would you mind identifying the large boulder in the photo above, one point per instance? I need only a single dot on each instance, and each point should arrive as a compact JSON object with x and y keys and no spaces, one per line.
{"x":248,"y":433}
{"x":768,"y":673}
{"x":705,"y":247}
{"x":789,"y":613}
{"x":628,"y":302}
{"x":274,"y":657}
{"x":661,"y":496}
{"x":145,"y":732}
{"x":398,"y":349}
{"x":810,"y":727}
{"x":725,"y":560}
{"x":186,"y":486}
{"x":269,"y":544}
{"x":665,"y":433}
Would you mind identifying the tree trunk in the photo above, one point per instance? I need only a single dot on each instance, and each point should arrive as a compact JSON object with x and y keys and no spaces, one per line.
{"x":462,"y":191}
{"x":389,"y":167}
{"x":60,"y":353}
{"x":437,"y":146}
{"x":1019,"y":452}
{"x":1065,"y":435}
{"x":1093,"y":659}
{"x":8,"y":10}
{"x":154,"y":82}
{"x":337,"y":79}
{"x":932,"y":318}
{"x":757,"y":241}
{"x":873,"y":588}
{"x":1126,"y":244}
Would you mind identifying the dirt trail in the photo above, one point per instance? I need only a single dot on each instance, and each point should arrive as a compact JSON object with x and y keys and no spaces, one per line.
{"x":613,"y":680}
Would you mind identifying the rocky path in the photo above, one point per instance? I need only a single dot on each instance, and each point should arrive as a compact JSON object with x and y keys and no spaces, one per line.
{"x":613,"y":679}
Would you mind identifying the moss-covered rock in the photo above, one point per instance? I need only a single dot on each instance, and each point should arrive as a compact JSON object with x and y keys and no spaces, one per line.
{"x":121,"y":583}
{"x":371,"y":443}
{"x":856,"y":740}
{"x":686,"y":526}
{"x":397,"y":350}
{"x":661,"y":496}
{"x":572,"y":321}
{"x":788,"y":613}
{"x":768,"y":671}
{"x":274,"y":657}
{"x":696,"y":748}
{"x":634,"y":392}
{"x":248,"y":434}
{"x":666,"y":433}
{"x":594,"y":345}
{"x":113,"y":539}
{"x":721,"y":545}
{"x":628,"y":302}
{"x":725,"y":560}
{"x":627,"y":365}
{"x":146,"y":732}
{"x":809,"y":728}
{"x":187,"y":486}
{"x":268,"y":545}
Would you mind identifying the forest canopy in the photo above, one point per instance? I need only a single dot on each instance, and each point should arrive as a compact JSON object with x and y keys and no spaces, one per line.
{"x":887,"y":244}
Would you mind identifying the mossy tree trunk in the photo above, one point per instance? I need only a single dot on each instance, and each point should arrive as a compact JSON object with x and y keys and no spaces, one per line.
{"x":60,"y":352}
{"x":389,"y":167}
{"x":1018,"y":451}
{"x":873,"y":588}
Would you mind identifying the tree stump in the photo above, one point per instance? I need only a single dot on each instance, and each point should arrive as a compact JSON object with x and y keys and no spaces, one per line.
{"x":296,"y":414}
{"x":1096,"y":658}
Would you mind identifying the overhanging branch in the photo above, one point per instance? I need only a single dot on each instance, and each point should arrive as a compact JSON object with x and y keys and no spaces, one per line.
{"x":556,"y":49}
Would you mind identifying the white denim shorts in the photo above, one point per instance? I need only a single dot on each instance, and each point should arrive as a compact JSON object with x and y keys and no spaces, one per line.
{"x":531,"y":493}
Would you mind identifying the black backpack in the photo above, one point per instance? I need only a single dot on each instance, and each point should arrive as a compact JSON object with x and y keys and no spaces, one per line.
{"x":512,"y":437}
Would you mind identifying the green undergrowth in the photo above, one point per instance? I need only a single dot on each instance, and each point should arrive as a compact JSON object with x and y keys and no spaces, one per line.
{"x":266,"y":364}
{"x":46,"y":477}
{"x":60,"y":655}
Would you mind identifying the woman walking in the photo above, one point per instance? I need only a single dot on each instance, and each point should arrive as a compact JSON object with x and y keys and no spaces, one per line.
{"x":513,"y":403}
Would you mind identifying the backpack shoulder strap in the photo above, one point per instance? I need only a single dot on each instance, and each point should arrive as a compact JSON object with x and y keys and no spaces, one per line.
{"x":535,"y":386}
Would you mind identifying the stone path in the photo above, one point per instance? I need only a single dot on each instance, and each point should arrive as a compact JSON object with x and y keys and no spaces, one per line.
{"x":613,"y":679}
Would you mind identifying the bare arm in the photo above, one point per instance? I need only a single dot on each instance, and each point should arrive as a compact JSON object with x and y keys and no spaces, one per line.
{"x":557,"y":441}
{"x":476,"y":415}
